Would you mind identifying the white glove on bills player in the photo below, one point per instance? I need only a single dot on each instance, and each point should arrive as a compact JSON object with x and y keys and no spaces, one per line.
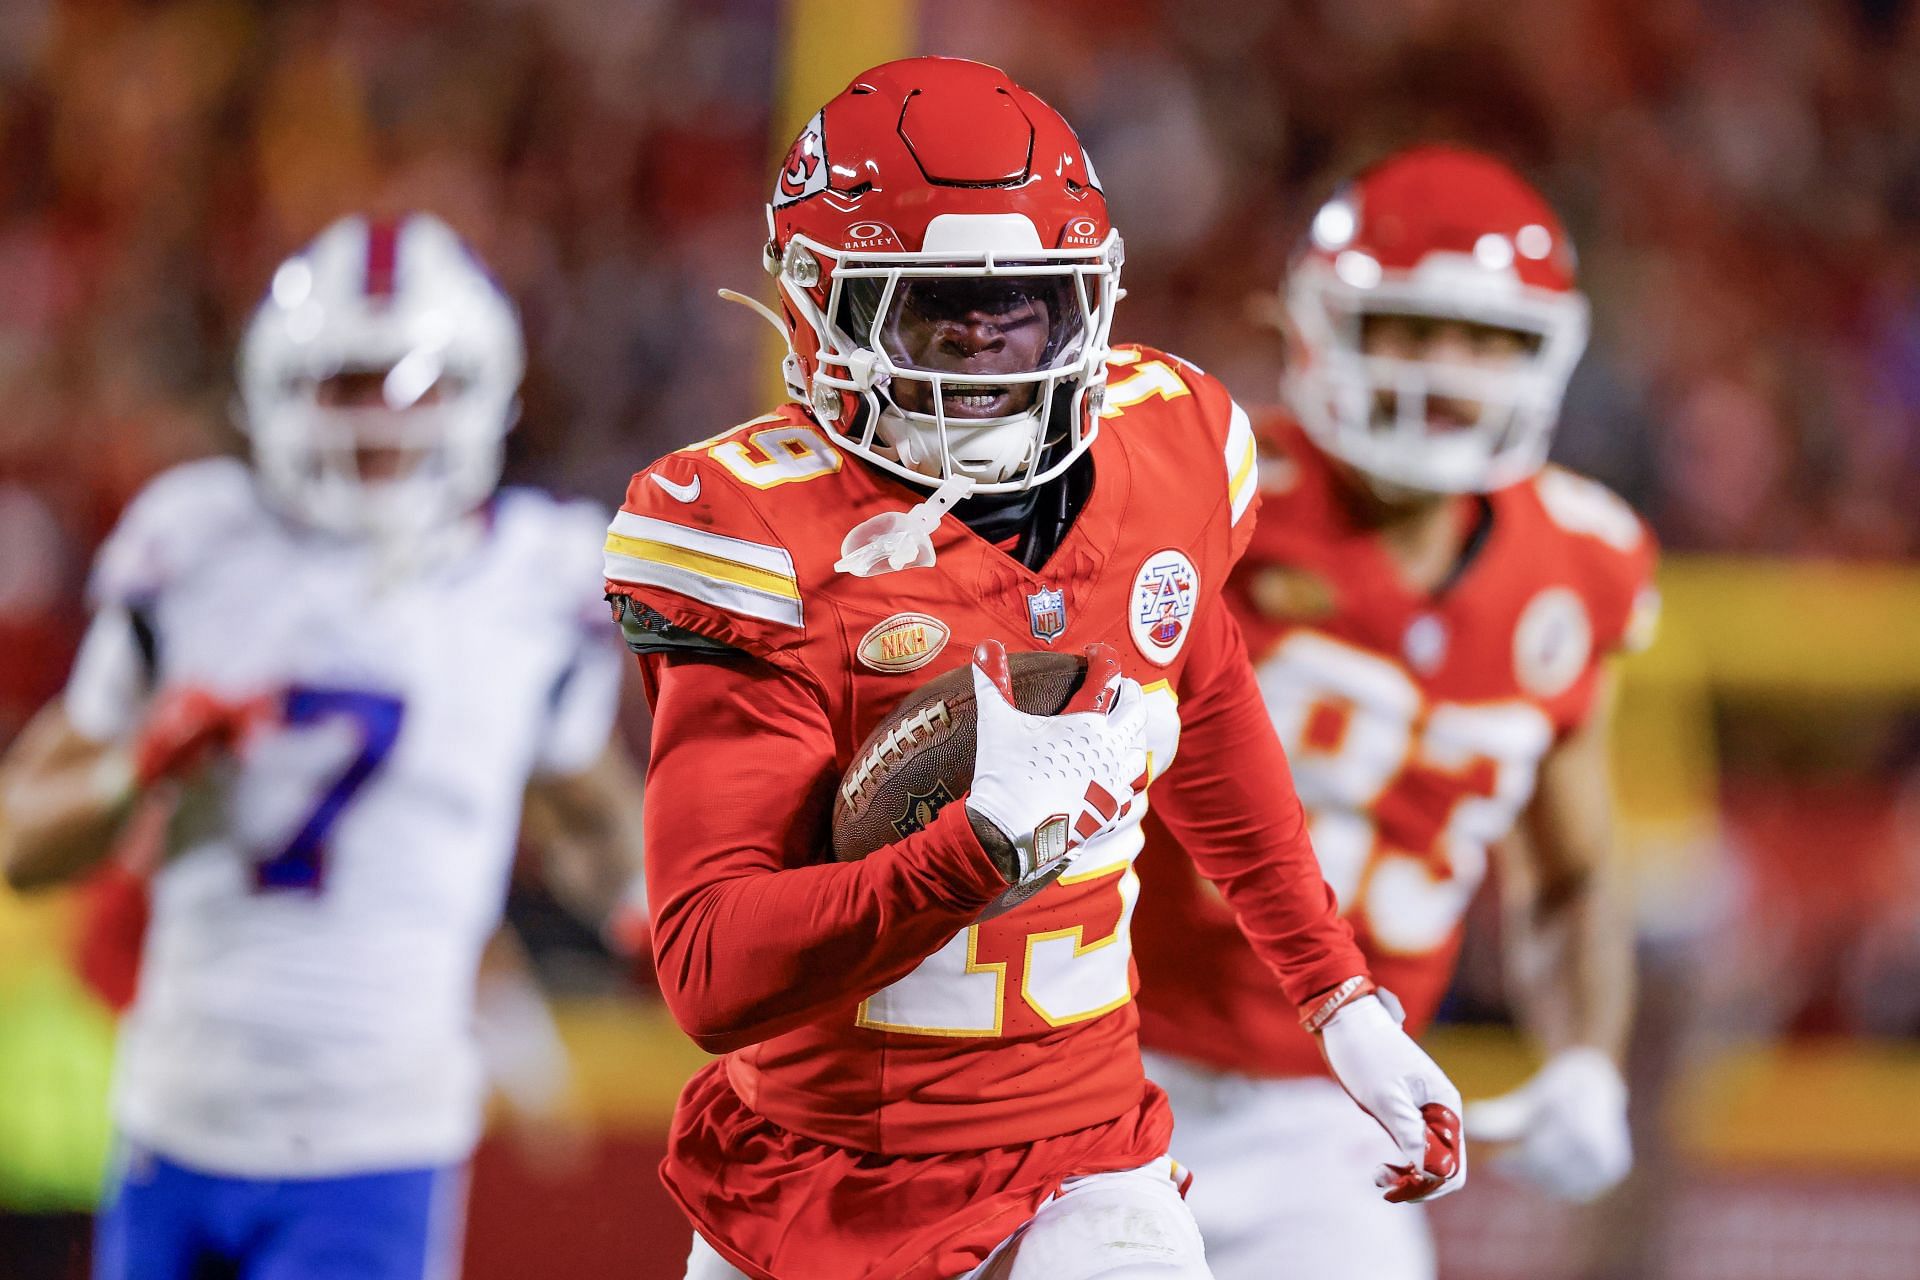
{"x":1567,"y":1124}
{"x":1051,"y":783}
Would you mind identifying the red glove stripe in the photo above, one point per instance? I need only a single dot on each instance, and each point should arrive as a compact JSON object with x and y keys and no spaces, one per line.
{"x":1443,"y":1141}
{"x":1095,"y":692}
{"x":1440,"y":1161}
{"x":991,"y":657}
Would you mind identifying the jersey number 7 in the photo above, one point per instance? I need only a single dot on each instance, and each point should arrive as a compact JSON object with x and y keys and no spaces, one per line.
{"x":299,"y":864}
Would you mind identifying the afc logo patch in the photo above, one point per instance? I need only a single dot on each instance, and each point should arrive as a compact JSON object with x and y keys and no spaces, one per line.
{"x":1047,"y":611}
{"x":1165,"y":594}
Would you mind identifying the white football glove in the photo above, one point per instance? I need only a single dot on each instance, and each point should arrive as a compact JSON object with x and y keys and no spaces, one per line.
{"x":1051,"y":783}
{"x":1396,"y":1083}
{"x":1567,"y":1124}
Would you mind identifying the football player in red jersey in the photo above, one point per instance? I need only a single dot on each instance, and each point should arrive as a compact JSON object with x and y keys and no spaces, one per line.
{"x":910,"y":1088}
{"x":1432,"y":614}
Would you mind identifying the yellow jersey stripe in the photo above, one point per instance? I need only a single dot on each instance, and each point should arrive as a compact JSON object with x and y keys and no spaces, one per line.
{"x":1243,"y":473}
{"x":1243,"y":463}
{"x":709,"y":566}
{"x":748,"y":602}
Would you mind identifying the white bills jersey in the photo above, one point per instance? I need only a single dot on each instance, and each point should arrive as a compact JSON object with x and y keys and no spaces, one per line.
{"x":306,"y":988}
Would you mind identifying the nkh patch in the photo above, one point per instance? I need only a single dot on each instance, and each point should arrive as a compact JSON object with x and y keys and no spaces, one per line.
{"x":1165,"y":593}
{"x":904,"y":642}
{"x":1047,"y":611}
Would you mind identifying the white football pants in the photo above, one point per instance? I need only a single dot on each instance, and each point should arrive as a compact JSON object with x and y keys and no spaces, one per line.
{"x":1283,"y":1179}
{"x":1129,"y":1225}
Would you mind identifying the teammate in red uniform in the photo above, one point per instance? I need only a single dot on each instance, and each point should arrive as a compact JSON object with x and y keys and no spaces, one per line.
{"x":1431,"y":615}
{"x":909,"y":1090}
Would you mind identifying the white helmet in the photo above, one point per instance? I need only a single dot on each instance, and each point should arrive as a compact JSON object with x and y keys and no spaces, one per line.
{"x":1445,"y":234}
{"x":378,"y":378}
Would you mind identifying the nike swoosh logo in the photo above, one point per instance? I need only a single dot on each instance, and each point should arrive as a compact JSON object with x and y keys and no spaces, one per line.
{"x":687,"y":492}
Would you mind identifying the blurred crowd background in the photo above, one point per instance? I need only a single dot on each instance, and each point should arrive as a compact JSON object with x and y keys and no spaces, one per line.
{"x":1742,"y":178}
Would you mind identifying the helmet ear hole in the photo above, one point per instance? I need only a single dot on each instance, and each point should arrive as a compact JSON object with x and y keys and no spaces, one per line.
{"x":794,"y":372}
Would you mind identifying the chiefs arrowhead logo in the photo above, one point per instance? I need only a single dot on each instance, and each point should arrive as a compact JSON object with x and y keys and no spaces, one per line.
{"x":804,"y":172}
{"x":800,"y":166}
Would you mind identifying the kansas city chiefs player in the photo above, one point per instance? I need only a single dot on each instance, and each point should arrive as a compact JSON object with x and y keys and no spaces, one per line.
{"x":908,"y":1090}
{"x":1431,"y":614}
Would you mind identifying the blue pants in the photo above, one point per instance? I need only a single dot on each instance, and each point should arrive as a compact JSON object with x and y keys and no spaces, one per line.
{"x":169,"y":1222}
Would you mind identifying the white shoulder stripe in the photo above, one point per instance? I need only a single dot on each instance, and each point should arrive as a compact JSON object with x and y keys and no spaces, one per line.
{"x":1241,"y":456}
{"x":753,"y":579}
{"x":734,"y":597}
{"x":758,"y":555}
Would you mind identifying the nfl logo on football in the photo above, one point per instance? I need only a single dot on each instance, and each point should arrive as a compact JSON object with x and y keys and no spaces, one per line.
{"x":1047,"y":610}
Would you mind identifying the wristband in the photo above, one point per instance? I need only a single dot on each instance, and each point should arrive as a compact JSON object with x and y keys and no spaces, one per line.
{"x":1318,"y":1014}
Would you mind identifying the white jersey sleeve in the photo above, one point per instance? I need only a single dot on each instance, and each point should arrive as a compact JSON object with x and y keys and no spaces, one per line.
{"x":584,"y":705}
{"x":171,"y":528}
{"x":112,"y":677}
{"x":585,"y":700}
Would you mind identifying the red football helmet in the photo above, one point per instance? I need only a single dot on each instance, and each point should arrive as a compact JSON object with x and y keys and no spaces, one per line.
{"x":1446,"y":234}
{"x":948,"y":275}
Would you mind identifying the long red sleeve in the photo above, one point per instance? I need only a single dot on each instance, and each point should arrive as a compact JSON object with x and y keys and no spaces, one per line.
{"x":755,"y":929}
{"x":1229,"y":800}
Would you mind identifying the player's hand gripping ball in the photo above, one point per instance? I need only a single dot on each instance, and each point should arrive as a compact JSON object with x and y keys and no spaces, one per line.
{"x":941,"y":744}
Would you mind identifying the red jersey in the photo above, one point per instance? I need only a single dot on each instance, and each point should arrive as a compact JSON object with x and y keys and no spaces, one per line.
{"x":861,"y":1010}
{"x":1415,"y":726}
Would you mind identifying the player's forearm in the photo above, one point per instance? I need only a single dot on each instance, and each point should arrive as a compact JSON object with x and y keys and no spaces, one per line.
{"x":589,"y":828}
{"x":744,"y":958}
{"x":1281,"y":904}
{"x":57,"y":829}
{"x":1570,"y":963}
{"x":1229,"y":799}
{"x":1569,"y":935}
{"x":63,"y":800}
{"x":755,"y":929}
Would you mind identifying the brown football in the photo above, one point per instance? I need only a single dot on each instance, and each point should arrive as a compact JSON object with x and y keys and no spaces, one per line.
{"x":919,"y":758}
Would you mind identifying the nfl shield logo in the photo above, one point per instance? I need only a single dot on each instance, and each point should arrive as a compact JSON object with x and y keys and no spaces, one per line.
{"x":922,"y":808}
{"x":1047,"y":610}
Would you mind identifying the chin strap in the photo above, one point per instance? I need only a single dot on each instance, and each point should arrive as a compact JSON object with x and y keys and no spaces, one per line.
{"x":895,"y":540}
